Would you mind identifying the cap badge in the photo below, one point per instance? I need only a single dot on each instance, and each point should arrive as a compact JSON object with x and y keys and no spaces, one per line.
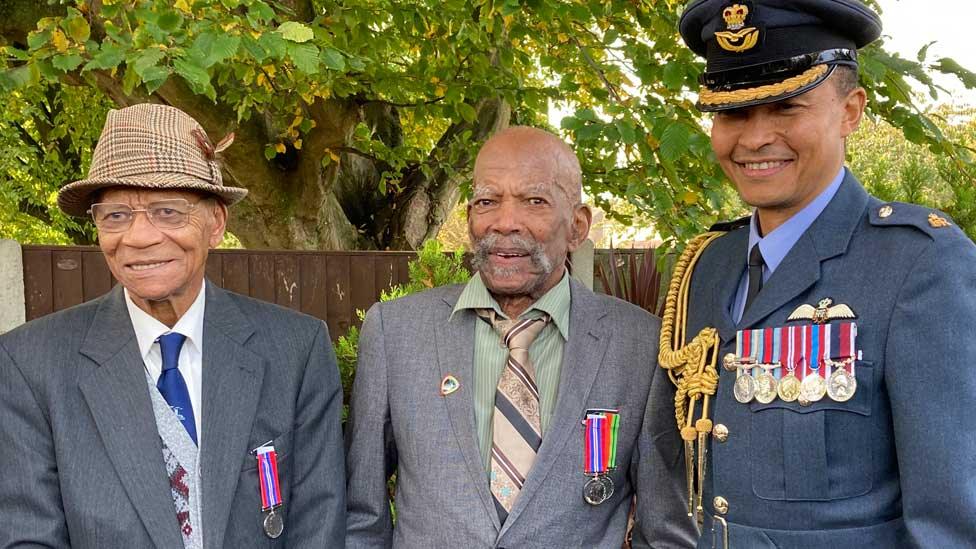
{"x":938,"y":222}
{"x":823,"y":312}
{"x":738,"y":38}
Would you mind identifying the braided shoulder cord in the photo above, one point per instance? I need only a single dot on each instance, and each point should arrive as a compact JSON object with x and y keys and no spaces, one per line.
{"x":691,"y":367}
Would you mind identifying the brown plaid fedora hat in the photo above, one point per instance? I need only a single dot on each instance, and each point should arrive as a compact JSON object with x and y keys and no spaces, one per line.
{"x":153,"y":147}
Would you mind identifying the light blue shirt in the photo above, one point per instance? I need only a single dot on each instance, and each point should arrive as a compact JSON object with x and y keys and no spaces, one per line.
{"x":775,"y":245}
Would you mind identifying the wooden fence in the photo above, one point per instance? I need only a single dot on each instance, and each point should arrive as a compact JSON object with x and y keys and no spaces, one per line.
{"x":326,"y":285}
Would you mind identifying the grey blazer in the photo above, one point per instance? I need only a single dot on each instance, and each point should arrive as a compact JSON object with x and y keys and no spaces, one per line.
{"x":81,"y":457}
{"x":400,"y":423}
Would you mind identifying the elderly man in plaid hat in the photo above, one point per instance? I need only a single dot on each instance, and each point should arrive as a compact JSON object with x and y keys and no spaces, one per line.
{"x":169,"y":412}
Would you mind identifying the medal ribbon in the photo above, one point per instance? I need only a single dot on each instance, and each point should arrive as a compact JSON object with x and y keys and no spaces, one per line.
{"x":601,"y":429}
{"x":789,"y":361}
{"x":846,"y":343}
{"x":813,"y":349}
{"x":268,"y":475}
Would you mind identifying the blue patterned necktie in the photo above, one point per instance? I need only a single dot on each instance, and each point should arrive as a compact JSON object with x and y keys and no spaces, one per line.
{"x":171,"y":384}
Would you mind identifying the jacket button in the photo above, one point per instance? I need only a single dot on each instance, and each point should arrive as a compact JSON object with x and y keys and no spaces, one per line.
{"x":720,"y":432}
{"x":721,"y":505}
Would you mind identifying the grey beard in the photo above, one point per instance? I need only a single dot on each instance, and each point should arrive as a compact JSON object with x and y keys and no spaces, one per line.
{"x":537,"y":254}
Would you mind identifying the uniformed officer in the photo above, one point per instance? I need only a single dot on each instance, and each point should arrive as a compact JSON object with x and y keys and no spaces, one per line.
{"x":823,"y":354}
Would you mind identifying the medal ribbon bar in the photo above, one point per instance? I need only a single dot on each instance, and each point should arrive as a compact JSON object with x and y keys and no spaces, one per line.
{"x":268,"y":475}
{"x":600,"y":441}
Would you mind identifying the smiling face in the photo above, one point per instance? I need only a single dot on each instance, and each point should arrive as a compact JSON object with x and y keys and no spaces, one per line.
{"x":525,"y":216}
{"x":782,"y":155}
{"x":162,"y":266}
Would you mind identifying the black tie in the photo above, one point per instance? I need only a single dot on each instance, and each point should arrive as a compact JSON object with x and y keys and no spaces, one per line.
{"x":756,"y":263}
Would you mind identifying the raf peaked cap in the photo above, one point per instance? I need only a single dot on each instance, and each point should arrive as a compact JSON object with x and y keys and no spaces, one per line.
{"x":764,"y":51}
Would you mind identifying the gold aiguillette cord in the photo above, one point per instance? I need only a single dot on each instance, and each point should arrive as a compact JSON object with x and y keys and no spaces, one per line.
{"x":692,"y":369}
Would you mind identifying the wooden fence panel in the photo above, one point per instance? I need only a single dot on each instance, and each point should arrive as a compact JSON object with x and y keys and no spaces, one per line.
{"x":262,"y":280}
{"x":97,"y":278}
{"x":38,"y":282}
{"x":68,"y":279}
{"x":314,"y":298}
{"x":384,"y":274}
{"x":288,"y":290}
{"x":215,"y":268}
{"x":339,"y":313}
{"x":235,"y":274}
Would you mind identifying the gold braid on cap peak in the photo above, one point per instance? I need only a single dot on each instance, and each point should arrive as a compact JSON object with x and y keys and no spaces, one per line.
{"x":709,"y":97}
{"x":691,"y":367}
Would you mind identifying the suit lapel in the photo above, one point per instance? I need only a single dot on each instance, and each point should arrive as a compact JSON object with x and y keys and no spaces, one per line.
{"x":727,"y":283}
{"x":455,"y":356}
{"x":232,"y":378}
{"x":827,"y":237}
{"x":582,"y":360}
{"x":118,"y":398}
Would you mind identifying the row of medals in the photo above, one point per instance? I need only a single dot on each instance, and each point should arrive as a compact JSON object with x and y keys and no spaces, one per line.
{"x":764,"y":388}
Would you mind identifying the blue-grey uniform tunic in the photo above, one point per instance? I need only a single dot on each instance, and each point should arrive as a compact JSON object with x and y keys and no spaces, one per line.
{"x":895,"y":466}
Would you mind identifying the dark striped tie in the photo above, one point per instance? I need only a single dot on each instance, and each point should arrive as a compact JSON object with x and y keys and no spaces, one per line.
{"x":516,"y":429}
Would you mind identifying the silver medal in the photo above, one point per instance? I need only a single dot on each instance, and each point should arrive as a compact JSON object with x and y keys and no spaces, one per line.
{"x":841,"y":385}
{"x":744,"y":388}
{"x":274,"y":524}
{"x":597,"y":489}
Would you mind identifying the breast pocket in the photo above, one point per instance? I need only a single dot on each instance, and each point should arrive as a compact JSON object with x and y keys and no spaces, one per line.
{"x":819,"y":452}
{"x":282,"y":446}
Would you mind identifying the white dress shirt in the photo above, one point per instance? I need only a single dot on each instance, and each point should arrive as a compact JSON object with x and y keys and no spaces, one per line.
{"x":148,"y":330}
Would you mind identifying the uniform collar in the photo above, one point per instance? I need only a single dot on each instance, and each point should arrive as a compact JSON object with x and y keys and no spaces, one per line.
{"x":554,"y":303}
{"x":775,"y":245}
{"x":148,"y":329}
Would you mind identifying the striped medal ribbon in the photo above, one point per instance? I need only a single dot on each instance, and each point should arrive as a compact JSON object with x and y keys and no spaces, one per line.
{"x":600,"y":432}
{"x":274,"y":523}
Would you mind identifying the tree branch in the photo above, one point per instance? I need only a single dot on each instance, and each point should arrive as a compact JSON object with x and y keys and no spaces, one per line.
{"x":40,"y":213}
{"x":596,"y":68}
{"x":403,"y":105}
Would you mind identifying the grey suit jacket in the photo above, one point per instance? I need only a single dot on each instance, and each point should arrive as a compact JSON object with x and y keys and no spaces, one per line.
{"x":81,"y":457}
{"x":400,"y":423}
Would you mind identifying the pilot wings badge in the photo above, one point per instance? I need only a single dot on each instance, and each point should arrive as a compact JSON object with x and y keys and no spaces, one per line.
{"x":823,"y":312}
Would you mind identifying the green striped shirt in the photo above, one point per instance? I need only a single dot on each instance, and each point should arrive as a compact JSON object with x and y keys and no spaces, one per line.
{"x":490,"y":353}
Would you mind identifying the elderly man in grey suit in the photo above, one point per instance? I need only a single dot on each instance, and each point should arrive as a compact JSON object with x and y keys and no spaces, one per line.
{"x":167,"y":413}
{"x":516,"y":410}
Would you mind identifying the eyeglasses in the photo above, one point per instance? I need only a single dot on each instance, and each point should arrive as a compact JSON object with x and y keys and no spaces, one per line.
{"x":164,"y":214}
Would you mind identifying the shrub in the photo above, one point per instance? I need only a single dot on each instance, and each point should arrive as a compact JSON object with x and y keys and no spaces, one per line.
{"x":433,"y":267}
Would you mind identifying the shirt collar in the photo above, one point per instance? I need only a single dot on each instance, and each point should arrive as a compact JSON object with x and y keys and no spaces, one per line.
{"x":148,"y":329}
{"x":775,"y":245}
{"x":554,"y":303}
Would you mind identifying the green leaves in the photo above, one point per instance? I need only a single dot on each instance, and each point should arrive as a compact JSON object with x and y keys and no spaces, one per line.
{"x":295,"y":32}
{"x":66,"y":63}
{"x":196,"y":77}
{"x":333,"y":59}
{"x":76,"y":26}
{"x":305,"y":57}
{"x":674,"y":141}
{"x":108,"y":57}
{"x":467,"y":112}
{"x":211,"y":47}
{"x":951,"y":66}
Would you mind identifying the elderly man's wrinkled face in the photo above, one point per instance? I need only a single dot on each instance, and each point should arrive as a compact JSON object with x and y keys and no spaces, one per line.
{"x":162,"y":264}
{"x":522,"y":220}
